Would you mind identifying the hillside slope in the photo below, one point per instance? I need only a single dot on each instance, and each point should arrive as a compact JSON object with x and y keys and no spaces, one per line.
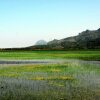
{"x":85,"y":40}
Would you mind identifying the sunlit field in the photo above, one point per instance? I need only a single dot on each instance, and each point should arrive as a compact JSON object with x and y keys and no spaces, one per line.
{"x":28,"y":55}
{"x":75,"y":75}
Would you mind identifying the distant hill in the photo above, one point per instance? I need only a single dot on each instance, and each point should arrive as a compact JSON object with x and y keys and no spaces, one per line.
{"x":41,"y":42}
{"x":85,"y":40}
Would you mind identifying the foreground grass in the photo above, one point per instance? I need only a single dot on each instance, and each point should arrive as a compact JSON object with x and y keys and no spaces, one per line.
{"x":68,"y":81}
{"x":29,"y":55}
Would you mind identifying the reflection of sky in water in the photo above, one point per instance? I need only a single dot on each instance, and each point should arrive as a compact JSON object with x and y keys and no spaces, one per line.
{"x":48,"y":61}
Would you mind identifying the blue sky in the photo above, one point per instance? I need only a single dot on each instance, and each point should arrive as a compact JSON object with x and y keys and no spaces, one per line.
{"x":23,"y":22}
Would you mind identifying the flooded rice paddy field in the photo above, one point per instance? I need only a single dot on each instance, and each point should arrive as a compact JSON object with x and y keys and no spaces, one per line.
{"x":50,"y":80}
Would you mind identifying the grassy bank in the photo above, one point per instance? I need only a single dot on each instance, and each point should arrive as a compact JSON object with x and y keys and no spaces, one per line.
{"x":22,"y":55}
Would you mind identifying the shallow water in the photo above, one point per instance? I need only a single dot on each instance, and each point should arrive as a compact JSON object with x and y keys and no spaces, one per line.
{"x":48,"y":61}
{"x":85,"y":86}
{"x":49,"y":90}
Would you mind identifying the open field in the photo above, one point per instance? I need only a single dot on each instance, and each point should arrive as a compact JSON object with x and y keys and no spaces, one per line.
{"x":67,"y":81}
{"x":55,"y":75}
{"x":29,"y":55}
